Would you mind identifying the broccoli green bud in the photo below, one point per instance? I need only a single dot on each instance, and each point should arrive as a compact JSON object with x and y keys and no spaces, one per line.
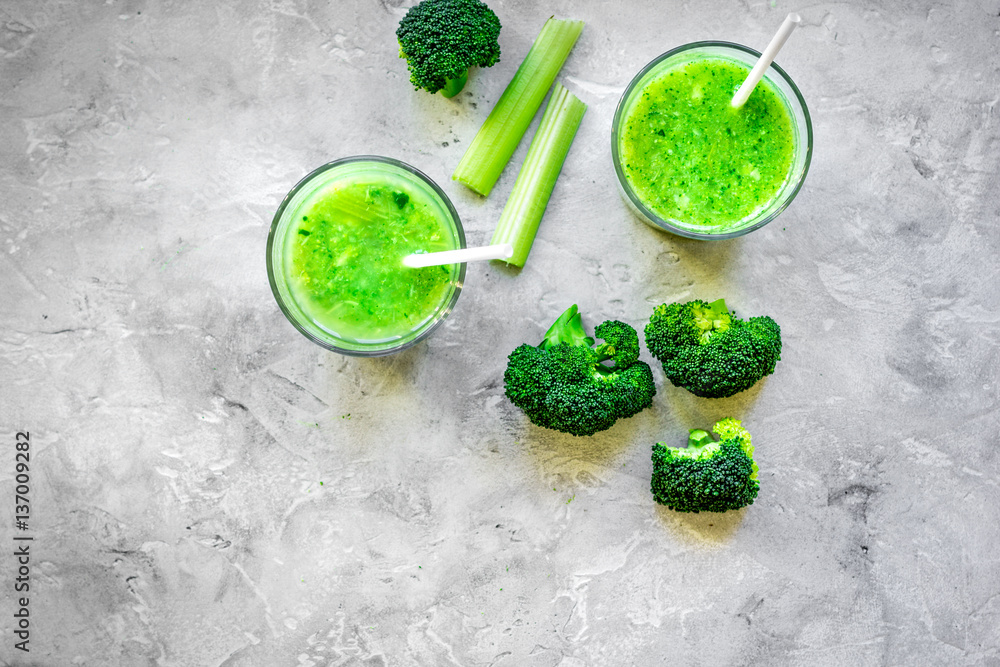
{"x":442,"y":39}
{"x":561,"y":384}
{"x":621,"y":342}
{"x":707,"y":475}
{"x":710,"y":352}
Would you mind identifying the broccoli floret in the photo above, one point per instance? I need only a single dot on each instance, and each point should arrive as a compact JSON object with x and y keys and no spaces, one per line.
{"x":708,"y":475}
{"x":710,"y":352}
{"x":561,"y":384}
{"x":442,"y":39}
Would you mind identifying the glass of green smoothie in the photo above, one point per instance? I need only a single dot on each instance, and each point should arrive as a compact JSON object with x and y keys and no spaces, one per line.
{"x":690,"y":163}
{"x":335,"y":251}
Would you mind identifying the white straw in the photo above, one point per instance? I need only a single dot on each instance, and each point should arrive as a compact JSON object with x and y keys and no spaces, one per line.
{"x":421,"y":260}
{"x":787,"y":26}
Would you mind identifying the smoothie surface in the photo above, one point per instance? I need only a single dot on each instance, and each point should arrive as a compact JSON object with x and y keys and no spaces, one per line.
{"x":689,"y":156}
{"x":344,"y":257}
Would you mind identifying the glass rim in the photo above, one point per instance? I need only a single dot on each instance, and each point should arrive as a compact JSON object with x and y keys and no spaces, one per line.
{"x":666,"y":224}
{"x":375,"y":349}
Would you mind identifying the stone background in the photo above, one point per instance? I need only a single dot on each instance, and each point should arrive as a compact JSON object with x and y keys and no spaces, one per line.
{"x":209,"y":488}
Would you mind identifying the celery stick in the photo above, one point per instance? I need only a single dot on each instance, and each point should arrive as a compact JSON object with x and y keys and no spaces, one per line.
{"x":533,"y":187}
{"x":497,"y":139}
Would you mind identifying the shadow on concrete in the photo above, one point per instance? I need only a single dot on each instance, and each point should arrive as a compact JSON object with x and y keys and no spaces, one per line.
{"x":696,"y":412}
{"x":677,"y":265}
{"x":388,"y":375}
{"x":712,"y":253}
{"x":704,"y":528}
{"x":570,"y":453}
{"x":508,"y":270}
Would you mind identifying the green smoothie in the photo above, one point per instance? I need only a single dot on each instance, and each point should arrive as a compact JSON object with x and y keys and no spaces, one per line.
{"x":690,"y":157}
{"x":344,"y":252}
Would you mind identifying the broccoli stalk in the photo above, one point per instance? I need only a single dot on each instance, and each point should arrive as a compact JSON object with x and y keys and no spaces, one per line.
{"x":454,"y":86}
{"x":710,"y":352}
{"x":567,"y":329}
{"x":521,"y":216}
{"x":561,"y":383}
{"x":442,"y":39}
{"x":497,"y":139}
{"x":707,"y":475}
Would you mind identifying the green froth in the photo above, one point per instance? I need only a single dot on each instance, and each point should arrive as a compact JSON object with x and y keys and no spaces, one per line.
{"x":689,"y":156}
{"x":345,"y":252}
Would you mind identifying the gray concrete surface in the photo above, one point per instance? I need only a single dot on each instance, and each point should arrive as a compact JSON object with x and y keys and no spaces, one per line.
{"x":209,"y":488}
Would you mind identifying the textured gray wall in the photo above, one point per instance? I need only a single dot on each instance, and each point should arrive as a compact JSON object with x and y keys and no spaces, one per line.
{"x":209,"y":488}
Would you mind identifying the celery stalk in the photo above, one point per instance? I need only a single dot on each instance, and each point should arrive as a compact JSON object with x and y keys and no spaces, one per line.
{"x":533,"y":187}
{"x":500,"y":134}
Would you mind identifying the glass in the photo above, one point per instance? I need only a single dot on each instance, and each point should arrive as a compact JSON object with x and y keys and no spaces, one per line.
{"x":787,"y":92}
{"x":282,"y":227}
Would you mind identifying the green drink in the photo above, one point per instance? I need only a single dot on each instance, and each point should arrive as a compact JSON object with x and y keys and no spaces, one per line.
{"x":690,"y":163}
{"x":336,"y":249}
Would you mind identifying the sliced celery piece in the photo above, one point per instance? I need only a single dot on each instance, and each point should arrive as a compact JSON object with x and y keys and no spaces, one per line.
{"x":533,"y":187}
{"x":499,"y":136}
